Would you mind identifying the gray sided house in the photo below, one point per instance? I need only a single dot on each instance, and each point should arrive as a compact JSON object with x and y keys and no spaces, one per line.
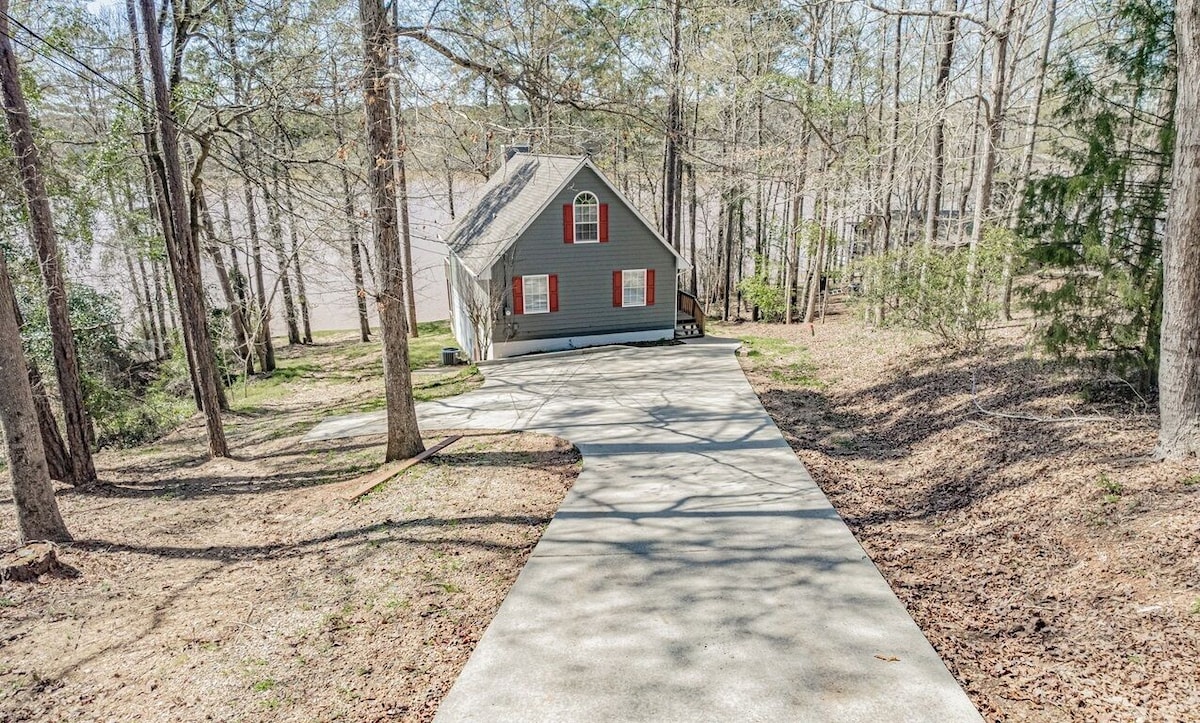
{"x":553,"y":257}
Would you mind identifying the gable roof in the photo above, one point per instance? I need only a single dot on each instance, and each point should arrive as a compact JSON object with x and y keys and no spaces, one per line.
{"x":512,"y":198}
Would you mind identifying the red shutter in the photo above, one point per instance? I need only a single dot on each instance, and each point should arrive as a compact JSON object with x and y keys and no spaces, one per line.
{"x":649,"y":287}
{"x":553,"y":292}
{"x":604,"y":223}
{"x":518,"y":296}
{"x":617,"y":290}
{"x":568,"y":223}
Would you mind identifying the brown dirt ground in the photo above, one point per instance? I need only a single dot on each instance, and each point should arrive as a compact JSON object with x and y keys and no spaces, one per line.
{"x":249,"y":589}
{"x":1053,"y":564}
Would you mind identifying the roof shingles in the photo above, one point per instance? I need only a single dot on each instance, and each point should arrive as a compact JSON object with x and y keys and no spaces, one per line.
{"x":511,"y":197}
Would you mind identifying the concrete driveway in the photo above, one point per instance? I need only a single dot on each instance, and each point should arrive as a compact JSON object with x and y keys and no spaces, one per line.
{"x":694,"y":573}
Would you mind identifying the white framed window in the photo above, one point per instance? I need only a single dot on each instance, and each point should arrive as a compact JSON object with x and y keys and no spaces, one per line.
{"x":537,"y":294}
{"x":633,"y":287}
{"x":587,"y":218}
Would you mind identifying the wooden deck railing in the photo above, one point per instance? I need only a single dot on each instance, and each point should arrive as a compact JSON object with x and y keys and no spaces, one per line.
{"x":690,"y":305}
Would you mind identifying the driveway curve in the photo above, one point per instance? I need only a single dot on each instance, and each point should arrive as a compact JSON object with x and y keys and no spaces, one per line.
{"x":694,"y":572}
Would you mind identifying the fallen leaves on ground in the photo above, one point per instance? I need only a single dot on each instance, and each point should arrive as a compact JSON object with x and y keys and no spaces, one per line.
{"x":1013,"y":507}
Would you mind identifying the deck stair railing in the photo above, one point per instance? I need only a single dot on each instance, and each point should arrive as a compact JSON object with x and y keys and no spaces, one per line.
{"x":690,"y":315}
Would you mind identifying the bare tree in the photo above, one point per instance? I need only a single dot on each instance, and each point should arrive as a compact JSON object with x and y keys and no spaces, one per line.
{"x":45,"y":238}
{"x":937,"y":165}
{"x":264,"y":347}
{"x":404,"y":438}
{"x":400,"y":142}
{"x":360,"y":291}
{"x":178,"y":229}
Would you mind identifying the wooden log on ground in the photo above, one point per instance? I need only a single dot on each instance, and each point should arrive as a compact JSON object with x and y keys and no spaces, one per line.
{"x":368,"y":482}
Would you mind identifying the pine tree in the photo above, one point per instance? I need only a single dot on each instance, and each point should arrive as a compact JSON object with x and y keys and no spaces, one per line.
{"x":1098,"y":226}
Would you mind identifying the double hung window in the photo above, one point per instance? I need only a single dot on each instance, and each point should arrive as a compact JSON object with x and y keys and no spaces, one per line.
{"x":587,"y":218}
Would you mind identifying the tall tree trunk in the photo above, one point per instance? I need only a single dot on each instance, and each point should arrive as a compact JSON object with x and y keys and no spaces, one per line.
{"x":189,"y":290}
{"x":151,"y":185}
{"x":294,"y":238}
{"x":157,"y":173}
{"x":237,"y":317}
{"x":45,"y":238}
{"x":817,"y":262}
{"x":404,"y":438}
{"x":58,"y":459}
{"x":264,"y":346}
{"x":152,"y":305}
{"x":672,"y":158}
{"x":284,"y":277}
{"x":140,"y":303}
{"x":761,"y":261}
{"x":889,"y":188}
{"x":1031,"y":125}
{"x":730,"y":221}
{"x":1179,"y":362}
{"x":792,"y":253}
{"x":237,"y":282}
{"x":994,"y":119}
{"x":196,"y":205}
{"x":937,"y":164}
{"x":693,"y":205}
{"x":38,"y":517}
{"x":162,"y":303}
{"x":145,"y":314}
{"x":360,"y":290}
{"x":400,"y":135}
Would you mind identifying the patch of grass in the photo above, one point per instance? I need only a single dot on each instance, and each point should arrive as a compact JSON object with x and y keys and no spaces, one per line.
{"x":782,"y":361}
{"x":850,"y":444}
{"x":294,"y":429}
{"x":250,"y":394}
{"x":426,"y":349}
{"x":1195,"y":608}
{"x":263,"y":686}
{"x":466,"y":380}
{"x":1191,"y":480}
{"x":760,"y":346}
{"x":1110,"y":487}
{"x":358,"y":351}
{"x":801,"y":374}
{"x":7,"y":602}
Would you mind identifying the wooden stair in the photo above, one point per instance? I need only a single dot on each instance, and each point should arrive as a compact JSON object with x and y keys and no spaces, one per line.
{"x":689,"y":316}
{"x":686,"y":327}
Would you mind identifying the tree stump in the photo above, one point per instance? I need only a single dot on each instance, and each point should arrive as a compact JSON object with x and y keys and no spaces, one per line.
{"x":27,"y":563}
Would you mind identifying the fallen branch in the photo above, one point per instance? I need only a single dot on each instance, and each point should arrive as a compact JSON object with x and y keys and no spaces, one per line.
{"x":1030,"y":417}
{"x":391,"y":469}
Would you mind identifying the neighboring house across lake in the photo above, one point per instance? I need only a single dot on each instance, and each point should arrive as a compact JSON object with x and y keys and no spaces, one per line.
{"x":552,"y":257}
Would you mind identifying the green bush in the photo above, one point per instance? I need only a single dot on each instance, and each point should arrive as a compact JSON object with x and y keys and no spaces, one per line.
{"x":146,"y":411}
{"x":142,"y":420}
{"x":130,"y":402}
{"x":760,"y":292}
{"x":927,"y":289}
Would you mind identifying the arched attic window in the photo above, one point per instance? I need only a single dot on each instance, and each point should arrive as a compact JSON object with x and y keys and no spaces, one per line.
{"x":585,"y":220}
